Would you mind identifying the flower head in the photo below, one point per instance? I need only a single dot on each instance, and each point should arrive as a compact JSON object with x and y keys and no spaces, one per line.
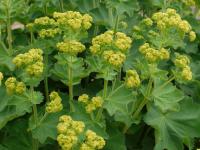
{"x":55,"y":104}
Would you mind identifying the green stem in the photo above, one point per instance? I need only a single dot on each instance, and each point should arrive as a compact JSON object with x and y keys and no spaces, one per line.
{"x":61,"y":5}
{"x":45,"y":9}
{"x":110,"y":13}
{"x":70,"y":74}
{"x":116,"y":24}
{"x":96,"y":29}
{"x":35,"y":117}
{"x":125,"y":129}
{"x":145,"y":100}
{"x":94,"y":3}
{"x":9,"y":30}
{"x":167,"y":82}
{"x":99,"y":113}
{"x":43,"y":118}
{"x":32,"y":36}
{"x":46,"y":78}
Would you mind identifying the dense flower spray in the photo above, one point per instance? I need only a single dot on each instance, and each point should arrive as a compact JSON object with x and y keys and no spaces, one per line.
{"x":32,"y":62}
{"x":112,"y":47}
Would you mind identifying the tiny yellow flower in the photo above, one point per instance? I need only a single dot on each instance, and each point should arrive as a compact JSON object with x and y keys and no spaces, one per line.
{"x":20,"y":88}
{"x":192,"y":36}
{"x":55,"y":104}
{"x":71,"y":47}
{"x":83,"y":98}
{"x":1,"y":77}
{"x":132,"y":79}
{"x":147,"y":22}
{"x":186,"y":74}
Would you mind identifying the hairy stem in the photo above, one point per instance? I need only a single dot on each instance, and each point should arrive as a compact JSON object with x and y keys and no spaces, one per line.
{"x":61,"y":5}
{"x":145,"y":100}
{"x":35,"y":117}
{"x":99,"y":113}
{"x":116,"y":24}
{"x":96,"y":29}
{"x":70,"y":74}
{"x":46,"y":86}
{"x":94,"y":3}
{"x":9,"y":30}
{"x":43,"y":118}
{"x":167,"y":82}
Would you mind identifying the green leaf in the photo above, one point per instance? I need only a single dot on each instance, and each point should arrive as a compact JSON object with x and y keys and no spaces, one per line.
{"x":170,"y":37}
{"x":116,"y":140}
{"x":81,"y":115}
{"x":17,"y":136}
{"x":13,"y":106}
{"x":6,"y":60}
{"x":8,"y":114}
{"x":166,"y":96}
{"x":21,"y":103}
{"x":119,"y":102}
{"x":101,"y":16}
{"x":123,"y":6}
{"x":47,"y":128}
{"x":61,"y":68}
{"x":4,"y":98}
{"x":84,"y":6}
{"x":37,"y":97}
{"x":174,"y":128}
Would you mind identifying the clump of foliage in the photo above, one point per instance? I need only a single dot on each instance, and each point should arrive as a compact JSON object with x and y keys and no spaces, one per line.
{"x":99,"y":74}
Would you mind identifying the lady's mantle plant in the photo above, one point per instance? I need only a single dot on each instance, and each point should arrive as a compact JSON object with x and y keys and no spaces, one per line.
{"x":100,"y":75}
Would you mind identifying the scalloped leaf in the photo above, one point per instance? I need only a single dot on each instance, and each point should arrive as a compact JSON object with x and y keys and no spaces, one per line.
{"x":61,"y":68}
{"x":174,"y":128}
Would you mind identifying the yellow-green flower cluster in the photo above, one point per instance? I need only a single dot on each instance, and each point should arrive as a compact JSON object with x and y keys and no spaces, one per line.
{"x":1,"y":77}
{"x":114,"y":58}
{"x":32,"y":61}
{"x":73,"y":20}
{"x":44,"y":21}
{"x":147,"y":21}
{"x":112,"y":47}
{"x":192,"y":36}
{"x":13,"y":86}
{"x":189,"y":2}
{"x":68,"y":131}
{"x":119,"y":40}
{"x":30,"y":26}
{"x":92,"y":141}
{"x":152,"y":54}
{"x":132,"y":79}
{"x":71,"y":47}
{"x":55,"y":104}
{"x":137,"y":33}
{"x":182,"y":63}
{"x":49,"y":33}
{"x":96,"y":102}
{"x":171,"y":18}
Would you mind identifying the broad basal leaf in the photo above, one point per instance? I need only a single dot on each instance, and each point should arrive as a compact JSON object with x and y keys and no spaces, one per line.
{"x":101,"y":16}
{"x":118,"y":103}
{"x":123,"y":6}
{"x":6,"y":60}
{"x":17,"y":136}
{"x":4,"y":98}
{"x":166,"y":96}
{"x":8,"y":114}
{"x":116,"y":140}
{"x":174,"y":128}
{"x":47,"y":128}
